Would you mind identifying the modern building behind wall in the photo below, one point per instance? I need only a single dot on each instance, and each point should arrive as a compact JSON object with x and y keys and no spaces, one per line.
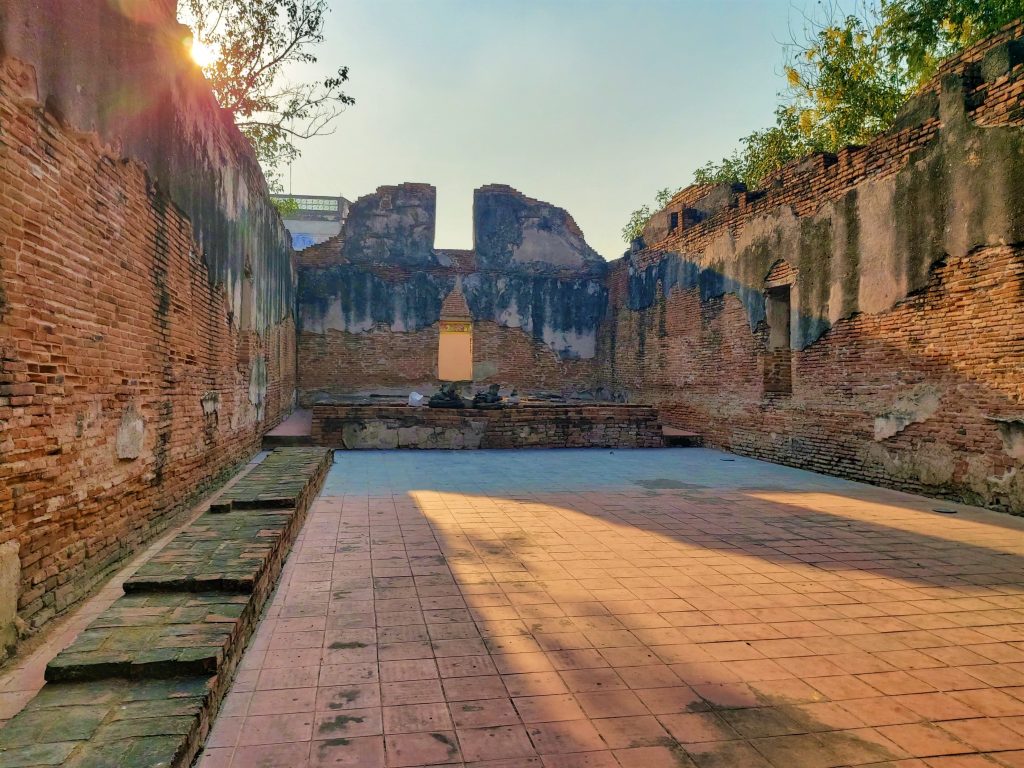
{"x":315,"y":219}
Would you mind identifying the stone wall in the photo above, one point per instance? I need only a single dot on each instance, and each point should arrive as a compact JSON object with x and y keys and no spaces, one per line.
{"x":863,"y":314}
{"x":147,"y":336}
{"x":373,"y":427}
{"x":370,"y":299}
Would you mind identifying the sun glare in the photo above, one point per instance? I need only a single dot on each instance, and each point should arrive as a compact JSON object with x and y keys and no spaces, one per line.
{"x":202,"y":54}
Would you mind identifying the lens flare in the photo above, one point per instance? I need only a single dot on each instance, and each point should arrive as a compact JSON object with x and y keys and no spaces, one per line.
{"x":202,"y":53}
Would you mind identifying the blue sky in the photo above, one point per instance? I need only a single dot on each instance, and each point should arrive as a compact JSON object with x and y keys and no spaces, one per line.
{"x":588,"y":104}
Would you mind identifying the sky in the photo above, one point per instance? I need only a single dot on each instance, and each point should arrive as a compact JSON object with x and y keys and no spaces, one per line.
{"x":591,"y":105}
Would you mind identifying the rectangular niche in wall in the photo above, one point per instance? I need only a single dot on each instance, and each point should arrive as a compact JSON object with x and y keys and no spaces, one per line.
{"x":778,"y":362}
{"x":455,"y":351}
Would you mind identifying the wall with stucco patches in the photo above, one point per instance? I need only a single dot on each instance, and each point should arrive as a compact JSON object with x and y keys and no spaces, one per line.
{"x":370,"y":299}
{"x":147,"y":334}
{"x":905,"y":266}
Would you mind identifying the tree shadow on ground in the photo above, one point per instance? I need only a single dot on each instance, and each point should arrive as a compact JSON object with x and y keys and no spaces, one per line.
{"x":774,"y":628}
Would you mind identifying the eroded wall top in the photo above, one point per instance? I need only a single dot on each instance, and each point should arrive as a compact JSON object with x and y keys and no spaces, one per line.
{"x":531,"y":269}
{"x":513,"y":232}
{"x":121,"y":70}
{"x":863,"y":229}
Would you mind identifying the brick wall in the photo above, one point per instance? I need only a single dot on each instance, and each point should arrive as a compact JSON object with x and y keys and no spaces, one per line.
{"x":337,"y":362}
{"x":109,"y":318}
{"x":904,"y":262}
{"x":525,"y":426}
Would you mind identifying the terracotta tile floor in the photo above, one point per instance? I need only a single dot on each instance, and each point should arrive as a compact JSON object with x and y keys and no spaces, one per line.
{"x":632,"y":608}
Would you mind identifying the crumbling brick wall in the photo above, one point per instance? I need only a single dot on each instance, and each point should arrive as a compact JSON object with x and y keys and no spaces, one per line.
{"x":338,"y":363}
{"x":370,"y":299}
{"x":132,"y":372}
{"x":863,"y":314}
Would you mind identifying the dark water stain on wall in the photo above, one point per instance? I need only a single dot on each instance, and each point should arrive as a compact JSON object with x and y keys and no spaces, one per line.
{"x":564,"y":314}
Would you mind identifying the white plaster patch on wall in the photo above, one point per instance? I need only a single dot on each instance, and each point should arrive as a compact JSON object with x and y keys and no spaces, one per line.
{"x":540,"y":245}
{"x":10,"y":581}
{"x":210,"y":403}
{"x":1011,"y":430}
{"x":130,"y":434}
{"x":882,"y":280}
{"x":398,"y":324}
{"x":840,"y":264}
{"x":334,"y":319}
{"x":258,"y":386}
{"x":571,"y":344}
{"x":913,"y":408}
{"x":511,"y":317}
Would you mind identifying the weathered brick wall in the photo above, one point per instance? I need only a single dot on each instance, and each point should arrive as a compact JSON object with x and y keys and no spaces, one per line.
{"x":362,"y":427}
{"x":338,"y":363}
{"x":130,"y":377}
{"x":370,"y":299}
{"x":902,"y":359}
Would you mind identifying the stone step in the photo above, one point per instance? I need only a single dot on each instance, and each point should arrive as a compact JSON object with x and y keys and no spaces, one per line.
{"x":681,"y":437}
{"x":138,"y":723}
{"x":218,"y":552}
{"x":197,"y":598}
{"x":154,"y":637}
{"x":142,"y":683}
{"x":270,"y":442}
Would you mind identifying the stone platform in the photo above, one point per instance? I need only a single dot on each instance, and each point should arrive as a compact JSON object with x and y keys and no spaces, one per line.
{"x":532,"y":425}
{"x":141,"y":684}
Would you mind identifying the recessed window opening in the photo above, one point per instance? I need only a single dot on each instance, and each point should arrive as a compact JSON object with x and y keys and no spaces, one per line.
{"x":778,"y":366}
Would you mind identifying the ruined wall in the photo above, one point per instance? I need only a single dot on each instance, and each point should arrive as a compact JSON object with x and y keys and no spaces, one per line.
{"x":370,"y":299}
{"x":376,"y":427}
{"x":147,"y":336}
{"x":861,"y":315}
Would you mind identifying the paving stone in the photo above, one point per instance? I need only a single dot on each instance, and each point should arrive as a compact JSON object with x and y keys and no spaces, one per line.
{"x":184,"y":634}
{"x":229,"y":552}
{"x":114,"y":729}
{"x":136,"y":686}
{"x":277,"y":482}
{"x":35,"y":755}
{"x":666,"y":605}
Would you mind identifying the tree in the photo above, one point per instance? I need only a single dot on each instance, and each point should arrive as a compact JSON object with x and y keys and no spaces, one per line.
{"x":921,"y":33}
{"x":253,"y":42}
{"x":761,"y":154}
{"x":286,"y":206}
{"x":638,"y":219}
{"x":844,"y":88}
{"x":848,"y":75}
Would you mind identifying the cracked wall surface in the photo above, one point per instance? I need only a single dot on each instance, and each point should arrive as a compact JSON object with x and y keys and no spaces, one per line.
{"x":370,"y":300}
{"x":903,"y":262}
{"x":146,"y":322}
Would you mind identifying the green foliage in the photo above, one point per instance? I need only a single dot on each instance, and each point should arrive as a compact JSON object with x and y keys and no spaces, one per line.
{"x":851,"y":74}
{"x":638,"y":219}
{"x":843,"y":87}
{"x":255,"y":41}
{"x":921,"y":33}
{"x":761,"y":154}
{"x":286,"y":206}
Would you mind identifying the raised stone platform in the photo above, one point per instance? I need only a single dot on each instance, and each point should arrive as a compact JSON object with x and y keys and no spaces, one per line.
{"x":533,"y":425}
{"x":141,"y":684}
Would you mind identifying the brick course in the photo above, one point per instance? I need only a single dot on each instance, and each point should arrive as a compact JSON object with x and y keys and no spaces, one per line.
{"x":108,"y":306}
{"x":337,"y":362}
{"x":524,"y":426}
{"x":926,"y":395}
